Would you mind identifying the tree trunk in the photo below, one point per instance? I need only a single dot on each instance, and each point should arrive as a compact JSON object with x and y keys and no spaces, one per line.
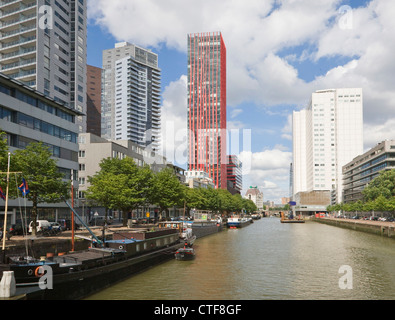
{"x":125,"y":217}
{"x":34,"y":217}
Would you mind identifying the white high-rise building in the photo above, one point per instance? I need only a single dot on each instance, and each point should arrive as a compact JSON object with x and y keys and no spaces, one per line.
{"x":327,"y":135}
{"x":43,"y":45}
{"x":131,"y":95}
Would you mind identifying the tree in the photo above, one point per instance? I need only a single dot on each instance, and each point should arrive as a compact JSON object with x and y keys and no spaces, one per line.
{"x":120,"y":184}
{"x":237,"y":203}
{"x":3,"y":152}
{"x":45,"y":182}
{"x":193,"y":199}
{"x":249,"y":205}
{"x":166,"y":190}
{"x":381,"y":203}
{"x":383,"y":185}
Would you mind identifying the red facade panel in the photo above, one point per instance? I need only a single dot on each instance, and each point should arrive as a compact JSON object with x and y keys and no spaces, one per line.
{"x":207,"y":105}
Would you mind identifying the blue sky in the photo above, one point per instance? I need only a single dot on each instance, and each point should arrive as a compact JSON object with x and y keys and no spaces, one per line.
{"x":278,"y":53}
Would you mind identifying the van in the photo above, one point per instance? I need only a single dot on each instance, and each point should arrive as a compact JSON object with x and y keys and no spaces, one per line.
{"x":41,"y":225}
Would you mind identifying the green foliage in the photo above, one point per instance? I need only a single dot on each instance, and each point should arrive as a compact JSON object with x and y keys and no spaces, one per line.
{"x":120,"y":184}
{"x":378,"y":195}
{"x":40,"y":170}
{"x":3,"y":152}
{"x":166,"y":190}
{"x":383,"y":185}
{"x":217,"y":200}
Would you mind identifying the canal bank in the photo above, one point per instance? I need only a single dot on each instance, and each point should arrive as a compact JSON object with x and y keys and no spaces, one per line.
{"x":382,"y":228}
{"x":269,"y":260}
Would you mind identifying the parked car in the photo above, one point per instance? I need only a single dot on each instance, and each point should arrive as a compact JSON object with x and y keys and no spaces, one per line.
{"x":56,"y":227}
{"x":65,"y":224}
{"x":42,"y":225}
{"x":16,"y":229}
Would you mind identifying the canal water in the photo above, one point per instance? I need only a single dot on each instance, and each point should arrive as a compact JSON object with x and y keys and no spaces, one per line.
{"x":269,"y":260}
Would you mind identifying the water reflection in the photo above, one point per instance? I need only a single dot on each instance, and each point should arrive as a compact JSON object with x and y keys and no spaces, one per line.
{"x":270,"y":260}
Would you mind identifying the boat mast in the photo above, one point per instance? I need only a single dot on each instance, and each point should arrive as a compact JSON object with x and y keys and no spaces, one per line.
{"x":83,"y":223}
{"x":6,"y":202}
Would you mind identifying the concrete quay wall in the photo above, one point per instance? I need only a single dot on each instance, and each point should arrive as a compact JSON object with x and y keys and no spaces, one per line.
{"x":382,"y":228}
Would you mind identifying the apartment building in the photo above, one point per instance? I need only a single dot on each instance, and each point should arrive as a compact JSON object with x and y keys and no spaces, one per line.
{"x":131,"y":95}
{"x":327,"y":135}
{"x":207,"y":106}
{"x":93,"y":100}
{"x":43,"y":45}
{"x":234,"y":174}
{"x":256,"y":196}
{"x":27,"y":116}
{"x":364,"y":168}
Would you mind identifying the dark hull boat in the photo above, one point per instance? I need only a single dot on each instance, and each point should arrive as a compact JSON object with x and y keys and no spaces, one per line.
{"x":185,"y":254}
{"x":76,"y":275}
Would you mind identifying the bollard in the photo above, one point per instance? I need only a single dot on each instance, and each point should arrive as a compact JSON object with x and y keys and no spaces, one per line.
{"x":7,"y":285}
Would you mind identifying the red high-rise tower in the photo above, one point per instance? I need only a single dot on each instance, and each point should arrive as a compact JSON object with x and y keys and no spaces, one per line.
{"x":207,"y":106}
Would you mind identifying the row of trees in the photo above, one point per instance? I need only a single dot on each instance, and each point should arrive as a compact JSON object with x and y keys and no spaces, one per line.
{"x":119,"y":185}
{"x":378,"y":195}
{"x":124,"y":186}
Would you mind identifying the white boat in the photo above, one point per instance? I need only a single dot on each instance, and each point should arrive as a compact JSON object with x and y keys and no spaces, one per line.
{"x":187,"y":235}
{"x":238,"y":222}
{"x":183,"y":227}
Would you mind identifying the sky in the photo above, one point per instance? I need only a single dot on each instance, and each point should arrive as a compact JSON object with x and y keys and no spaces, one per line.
{"x":278,"y":53}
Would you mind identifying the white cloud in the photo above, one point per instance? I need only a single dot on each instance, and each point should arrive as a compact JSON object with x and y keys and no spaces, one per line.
{"x":174,"y":122}
{"x":255,"y":32}
{"x":235,"y":112}
{"x":269,"y":170}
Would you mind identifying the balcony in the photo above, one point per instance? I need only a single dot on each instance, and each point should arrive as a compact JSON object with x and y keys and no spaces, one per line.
{"x":15,"y":55}
{"x":22,"y":18}
{"x":17,"y":9}
{"x":24,"y":75}
{"x":18,"y":31}
{"x":6,"y":3}
{"x":21,"y":41}
{"x":21,"y":63}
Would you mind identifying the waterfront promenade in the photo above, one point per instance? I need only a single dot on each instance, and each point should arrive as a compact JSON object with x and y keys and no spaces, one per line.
{"x":63,"y":240}
{"x":383,"y":228}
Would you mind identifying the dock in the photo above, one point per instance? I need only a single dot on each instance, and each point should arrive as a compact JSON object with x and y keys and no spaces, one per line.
{"x":381,"y":228}
{"x":292,"y":221}
{"x":295,"y":220}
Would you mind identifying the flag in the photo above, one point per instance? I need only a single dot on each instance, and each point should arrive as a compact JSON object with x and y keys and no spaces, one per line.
{"x":24,"y":187}
{"x":2,"y":195}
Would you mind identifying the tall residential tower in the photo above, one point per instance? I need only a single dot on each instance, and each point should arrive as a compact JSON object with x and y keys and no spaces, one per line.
{"x":131,"y":95}
{"x":207,"y":106}
{"x":326,"y":136}
{"x":43,"y":45}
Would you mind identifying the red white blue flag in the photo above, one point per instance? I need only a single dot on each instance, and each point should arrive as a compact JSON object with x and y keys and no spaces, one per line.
{"x":24,"y":188}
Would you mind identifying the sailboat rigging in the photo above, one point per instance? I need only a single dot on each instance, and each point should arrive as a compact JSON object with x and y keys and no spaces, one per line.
{"x":6,"y":200}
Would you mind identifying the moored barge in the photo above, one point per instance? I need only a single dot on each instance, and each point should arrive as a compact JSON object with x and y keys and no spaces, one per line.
{"x":75,"y":275}
{"x":237,"y":222}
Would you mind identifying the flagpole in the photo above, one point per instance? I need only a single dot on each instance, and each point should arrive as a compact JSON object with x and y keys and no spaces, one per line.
{"x":6,"y":202}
